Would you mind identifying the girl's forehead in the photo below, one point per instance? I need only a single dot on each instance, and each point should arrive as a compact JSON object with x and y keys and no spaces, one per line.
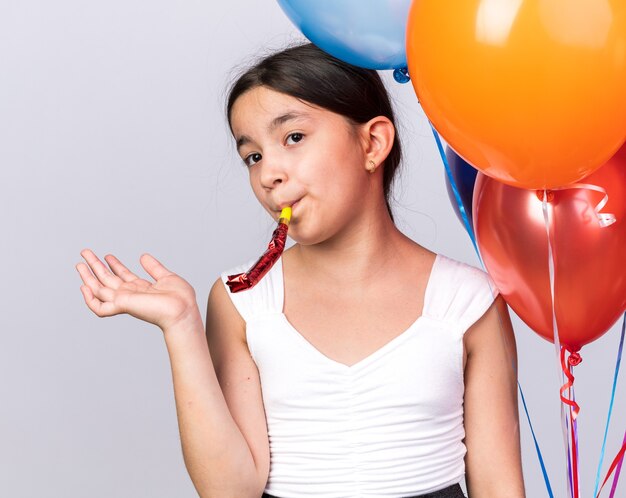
{"x":267,"y":108}
{"x":263,"y":101}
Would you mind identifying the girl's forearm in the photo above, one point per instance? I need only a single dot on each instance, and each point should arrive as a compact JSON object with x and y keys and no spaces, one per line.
{"x":216,"y":454}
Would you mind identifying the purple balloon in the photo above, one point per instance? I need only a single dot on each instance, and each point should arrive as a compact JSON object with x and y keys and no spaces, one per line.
{"x":464,"y":176}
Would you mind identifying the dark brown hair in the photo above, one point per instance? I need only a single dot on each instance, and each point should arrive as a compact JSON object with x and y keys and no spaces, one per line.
{"x":310,"y":74}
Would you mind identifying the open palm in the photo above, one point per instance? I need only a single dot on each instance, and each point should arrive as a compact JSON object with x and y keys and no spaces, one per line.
{"x":107,"y":292}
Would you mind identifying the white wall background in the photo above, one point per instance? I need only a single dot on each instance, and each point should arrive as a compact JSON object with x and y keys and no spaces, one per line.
{"x":112,"y":137}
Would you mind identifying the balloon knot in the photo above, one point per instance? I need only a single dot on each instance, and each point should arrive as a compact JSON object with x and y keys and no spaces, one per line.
{"x":401,"y":75}
{"x":549,"y":195}
{"x":574,"y":359}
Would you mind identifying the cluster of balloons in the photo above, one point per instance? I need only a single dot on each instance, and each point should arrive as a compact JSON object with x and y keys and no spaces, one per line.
{"x":589,"y":259}
{"x":590,"y":269}
{"x":529,"y":95}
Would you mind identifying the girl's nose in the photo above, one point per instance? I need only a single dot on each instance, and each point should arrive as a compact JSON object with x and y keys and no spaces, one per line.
{"x":273,"y":173}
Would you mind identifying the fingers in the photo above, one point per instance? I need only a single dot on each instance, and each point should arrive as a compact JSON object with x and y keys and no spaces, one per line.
{"x":100,"y":308}
{"x":101,"y":284}
{"x":119,"y":269}
{"x":93,"y":285}
{"x":90,"y":281}
{"x":100,"y":270}
{"x":155,"y":269}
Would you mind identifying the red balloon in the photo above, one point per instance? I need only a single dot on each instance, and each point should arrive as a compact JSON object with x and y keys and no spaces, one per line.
{"x":590,"y":267}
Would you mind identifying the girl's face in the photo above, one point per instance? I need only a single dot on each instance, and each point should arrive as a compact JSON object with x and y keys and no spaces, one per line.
{"x":302,"y":156}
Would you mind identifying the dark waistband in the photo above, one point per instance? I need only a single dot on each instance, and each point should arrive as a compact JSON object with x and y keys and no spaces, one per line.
{"x":453,"y":491}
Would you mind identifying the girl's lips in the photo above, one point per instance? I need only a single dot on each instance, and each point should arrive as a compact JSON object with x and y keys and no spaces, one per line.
{"x":288,"y":204}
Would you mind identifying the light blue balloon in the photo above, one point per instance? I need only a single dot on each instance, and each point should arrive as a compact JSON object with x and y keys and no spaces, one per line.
{"x":365,"y":33}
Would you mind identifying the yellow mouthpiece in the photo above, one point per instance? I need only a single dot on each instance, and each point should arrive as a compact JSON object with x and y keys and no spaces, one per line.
{"x":285,"y":214}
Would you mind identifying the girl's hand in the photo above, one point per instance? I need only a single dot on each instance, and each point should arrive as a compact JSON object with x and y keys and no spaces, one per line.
{"x":165,"y":302}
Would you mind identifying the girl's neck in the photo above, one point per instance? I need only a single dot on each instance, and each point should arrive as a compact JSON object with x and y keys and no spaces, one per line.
{"x":370,"y":248}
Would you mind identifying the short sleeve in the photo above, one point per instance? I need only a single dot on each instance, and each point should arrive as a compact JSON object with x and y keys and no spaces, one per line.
{"x":262,"y":299}
{"x":459,"y":294}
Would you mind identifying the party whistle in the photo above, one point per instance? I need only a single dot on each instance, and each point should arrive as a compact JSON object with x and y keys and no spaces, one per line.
{"x":247,"y":280}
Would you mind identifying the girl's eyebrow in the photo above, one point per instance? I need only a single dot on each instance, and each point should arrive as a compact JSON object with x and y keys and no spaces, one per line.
{"x":241,"y":141}
{"x":284,"y":118}
{"x":275,"y":123}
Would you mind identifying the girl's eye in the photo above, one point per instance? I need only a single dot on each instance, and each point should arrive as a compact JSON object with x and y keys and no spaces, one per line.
{"x":294,"y":137}
{"x":252,"y":159}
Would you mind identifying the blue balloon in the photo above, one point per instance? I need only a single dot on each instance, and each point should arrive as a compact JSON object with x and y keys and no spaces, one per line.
{"x":367,"y":34}
{"x":464,"y":175}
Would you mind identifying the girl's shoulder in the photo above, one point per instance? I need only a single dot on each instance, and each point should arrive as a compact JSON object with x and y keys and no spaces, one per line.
{"x":459,"y":271}
{"x":457,"y":292}
{"x":263,"y":298}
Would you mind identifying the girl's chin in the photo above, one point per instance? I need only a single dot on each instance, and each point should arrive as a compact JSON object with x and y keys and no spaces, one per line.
{"x":303,"y":237}
{"x":297,"y":236}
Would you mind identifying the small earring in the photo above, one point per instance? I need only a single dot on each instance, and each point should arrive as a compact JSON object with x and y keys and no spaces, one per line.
{"x":371,"y":167}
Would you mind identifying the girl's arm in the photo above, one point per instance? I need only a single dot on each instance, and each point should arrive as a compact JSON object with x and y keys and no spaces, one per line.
{"x":218,"y":402}
{"x":223,"y":431}
{"x":493,"y":460}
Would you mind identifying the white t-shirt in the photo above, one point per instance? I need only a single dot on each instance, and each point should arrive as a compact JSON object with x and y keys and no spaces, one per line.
{"x":390,"y":425}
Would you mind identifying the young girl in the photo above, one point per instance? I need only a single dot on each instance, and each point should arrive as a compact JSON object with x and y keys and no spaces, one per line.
{"x":362,"y":364}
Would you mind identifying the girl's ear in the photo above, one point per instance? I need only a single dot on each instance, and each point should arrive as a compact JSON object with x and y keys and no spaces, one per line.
{"x":378,"y":136}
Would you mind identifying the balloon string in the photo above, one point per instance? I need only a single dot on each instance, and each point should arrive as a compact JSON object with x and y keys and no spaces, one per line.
{"x":616,"y":461}
{"x":604,"y":219}
{"x":571,"y":426}
{"x":470,"y":231}
{"x":608,"y":418}
{"x":570,"y":482}
{"x":575,"y":425}
{"x":574,"y":461}
{"x":574,"y":428}
{"x":567,"y":366}
{"x":617,"y":471}
{"x":573,"y":360}
{"x":532,"y":431}
{"x":557,"y":343}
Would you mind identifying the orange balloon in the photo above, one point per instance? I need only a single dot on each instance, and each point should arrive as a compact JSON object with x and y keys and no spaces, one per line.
{"x":530,"y":92}
{"x":590,"y":274}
